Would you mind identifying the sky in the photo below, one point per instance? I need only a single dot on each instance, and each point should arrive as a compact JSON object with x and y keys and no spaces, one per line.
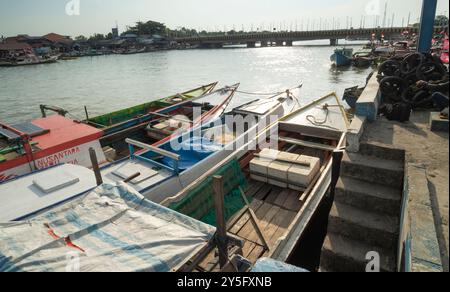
{"x":38,"y":17}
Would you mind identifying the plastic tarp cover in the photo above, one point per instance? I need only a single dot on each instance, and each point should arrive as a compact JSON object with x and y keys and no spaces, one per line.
{"x":111,"y":229}
{"x":191,"y":151}
{"x":266,"y":265}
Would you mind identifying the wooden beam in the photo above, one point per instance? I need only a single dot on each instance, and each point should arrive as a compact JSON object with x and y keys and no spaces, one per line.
{"x":308,"y":144}
{"x":95,"y":166}
{"x":221,"y":225}
{"x":254,"y":220}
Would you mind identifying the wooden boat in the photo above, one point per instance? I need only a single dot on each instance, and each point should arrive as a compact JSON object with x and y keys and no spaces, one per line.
{"x":35,"y":246}
{"x":157,"y":127}
{"x":342,"y":57}
{"x":29,"y":59}
{"x":166,"y":169}
{"x":128,"y":117}
{"x":362,"y":58}
{"x":285,"y":186}
{"x":52,"y":140}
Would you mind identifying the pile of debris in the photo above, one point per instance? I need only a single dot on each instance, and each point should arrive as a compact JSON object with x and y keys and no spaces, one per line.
{"x":416,"y":81}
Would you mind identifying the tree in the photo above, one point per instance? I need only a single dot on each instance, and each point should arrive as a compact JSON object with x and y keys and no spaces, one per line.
{"x":147,"y":28}
{"x":441,"y":20}
{"x":97,"y":37}
{"x":81,"y":38}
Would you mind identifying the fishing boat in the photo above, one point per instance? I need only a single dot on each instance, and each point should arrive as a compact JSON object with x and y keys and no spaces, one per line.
{"x":157,"y":127}
{"x":162,"y":171}
{"x":168,"y":168}
{"x":52,"y":140}
{"x":29,"y":59}
{"x":342,"y":57}
{"x":362,"y":58}
{"x":111,"y":229}
{"x":125,"y":118}
{"x":271,"y":194}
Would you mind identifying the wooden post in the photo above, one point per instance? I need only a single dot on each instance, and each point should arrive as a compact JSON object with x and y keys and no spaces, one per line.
{"x":222,"y":239}
{"x":44,"y":115}
{"x":335,"y":170}
{"x":86,"y":112}
{"x":95,"y":166}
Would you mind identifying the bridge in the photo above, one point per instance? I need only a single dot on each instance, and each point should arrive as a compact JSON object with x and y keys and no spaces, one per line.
{"x":287,"y":38}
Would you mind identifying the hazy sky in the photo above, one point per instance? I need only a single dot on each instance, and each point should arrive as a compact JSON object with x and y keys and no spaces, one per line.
{"x":37,"y":17}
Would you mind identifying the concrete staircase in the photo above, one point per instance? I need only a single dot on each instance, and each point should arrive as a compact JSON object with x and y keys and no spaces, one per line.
{"x":366,"y":212}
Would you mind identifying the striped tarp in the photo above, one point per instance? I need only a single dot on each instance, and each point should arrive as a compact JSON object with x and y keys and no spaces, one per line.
{"x":111,"y":229}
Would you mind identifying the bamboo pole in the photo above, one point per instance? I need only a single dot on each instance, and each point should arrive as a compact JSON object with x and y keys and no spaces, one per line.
{"x":95,"y":166}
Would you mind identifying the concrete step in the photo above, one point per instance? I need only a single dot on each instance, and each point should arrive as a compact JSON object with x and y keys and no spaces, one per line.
{"x":372,"y":169}
{"x":368,"y":196}
{"x":370,"y":149}
{"x":341,"y":254}
{"x":381,"y":230}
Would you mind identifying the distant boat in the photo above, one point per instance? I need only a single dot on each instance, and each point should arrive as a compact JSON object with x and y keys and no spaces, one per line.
{"x":363,"y":58}
{"x":29,"y":60}
{"x":342,"y":57}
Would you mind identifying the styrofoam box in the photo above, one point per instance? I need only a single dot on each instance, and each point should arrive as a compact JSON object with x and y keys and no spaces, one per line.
{"x":259,"y":166}
{"x":278,"y":183}
{"x":303,"y":175}
{"x":259,"y":178}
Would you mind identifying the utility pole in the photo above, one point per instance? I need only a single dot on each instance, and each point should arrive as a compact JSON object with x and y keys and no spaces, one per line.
{"x":427,"y":25}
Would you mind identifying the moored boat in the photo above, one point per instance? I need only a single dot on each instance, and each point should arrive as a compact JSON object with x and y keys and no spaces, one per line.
{"x":284,"y":185}
{"x":129,"y":239}
{"x":52,"y":140}
{"x":164,"y":170}
{"x":363,"y":58}
{"x":342,"y":57}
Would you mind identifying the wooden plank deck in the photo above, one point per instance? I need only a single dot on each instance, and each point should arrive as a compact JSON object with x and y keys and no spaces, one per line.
{"x":275,"y":209}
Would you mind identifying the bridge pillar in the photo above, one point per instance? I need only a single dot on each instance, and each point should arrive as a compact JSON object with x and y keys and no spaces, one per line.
{"x":334,"y":42}
{"x":289,"y":43}
{"x":251,"y":45}
{"x":264,"y":44}
{"x":280,"y":43}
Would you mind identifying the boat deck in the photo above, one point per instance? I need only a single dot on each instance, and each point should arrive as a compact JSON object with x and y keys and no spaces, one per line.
{"x":275,"y":209}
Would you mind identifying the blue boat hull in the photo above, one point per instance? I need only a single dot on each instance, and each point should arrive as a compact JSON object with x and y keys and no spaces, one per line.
{"x":340,"y":60}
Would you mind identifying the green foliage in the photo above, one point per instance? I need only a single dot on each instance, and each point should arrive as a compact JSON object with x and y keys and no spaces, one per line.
{"x":441,"y":20}
{"x":81,"y":38}
{"x":147,"y":28}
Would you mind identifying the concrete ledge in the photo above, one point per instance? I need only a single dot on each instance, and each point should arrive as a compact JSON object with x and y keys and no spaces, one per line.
{"x":437,"y":124}
{"x":369,"y":101}
{"x":355,"y":133}
{"x":425,"y":253}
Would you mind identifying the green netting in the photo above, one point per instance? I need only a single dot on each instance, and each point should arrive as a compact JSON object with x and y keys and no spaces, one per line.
{"x":199,"y":202}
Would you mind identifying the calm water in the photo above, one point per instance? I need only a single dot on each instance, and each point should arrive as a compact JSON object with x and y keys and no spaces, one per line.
{"x":107,"y":83}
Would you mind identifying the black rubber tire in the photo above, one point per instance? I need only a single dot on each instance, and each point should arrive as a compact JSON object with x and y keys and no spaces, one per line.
{"x":411,"y":79}
{"x":389,"y":68}
{"x":411,"y":62}
{"x":421,"y":98}
{"x":393,"y":87}
{"x":426,"y":70}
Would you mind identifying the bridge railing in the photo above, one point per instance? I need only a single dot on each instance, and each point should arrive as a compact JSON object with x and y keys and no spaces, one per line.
{"x":298,"y":35}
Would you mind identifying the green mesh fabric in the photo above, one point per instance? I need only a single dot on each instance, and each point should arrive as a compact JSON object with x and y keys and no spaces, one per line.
{"x":199,"y":202}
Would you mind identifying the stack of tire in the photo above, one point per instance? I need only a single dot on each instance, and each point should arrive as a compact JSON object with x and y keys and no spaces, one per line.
{"x":398,"y":78}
